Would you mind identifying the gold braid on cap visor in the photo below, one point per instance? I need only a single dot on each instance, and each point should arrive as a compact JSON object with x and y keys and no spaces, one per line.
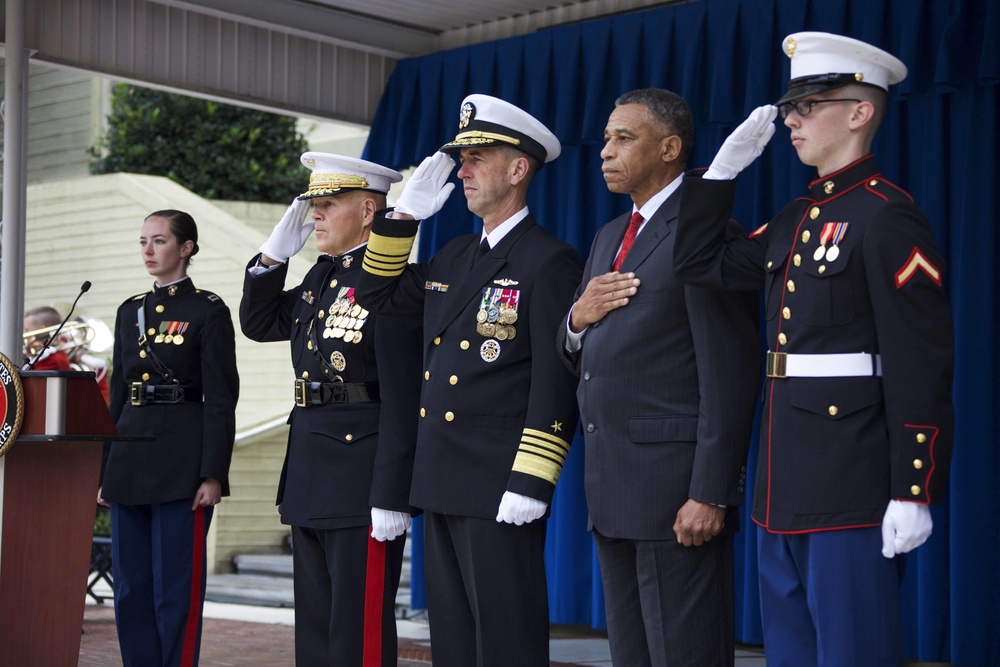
{"x":483,"y":137}
{"x":320,"y":183}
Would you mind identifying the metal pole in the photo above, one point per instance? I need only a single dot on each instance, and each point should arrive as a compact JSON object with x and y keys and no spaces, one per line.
{"x":15,"y":175}
{"x":14,"y":182}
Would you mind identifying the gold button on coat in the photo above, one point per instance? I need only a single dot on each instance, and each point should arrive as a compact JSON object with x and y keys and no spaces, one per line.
{"x":806,"y":236}
{"x":797,"y":260}
{"x":833,"y":410}
{"x":770,"y":264}
{"x":305,"y":374}
{"x":423,"y":413}
{"x":464,"y":345}
{"x":437,"y":341}
{"x":921,"y":438}
{"x":145,"y":377}
{"x":449,"y":416}
{"x":348,"y":437}
{"x":822,"y":268}
{"x":791,"y":285}
{"x":918,"y":464}
{"x":427,"y":375}
{"x":453,"y":379}
{"x":159,"y":308}
{"x":814,"y":212}
{"x":915,"y":490}
{"x":151,"y":331}
{"x":142,"y":354}
{"x":786,"y":312}
{"x":782,"y":338}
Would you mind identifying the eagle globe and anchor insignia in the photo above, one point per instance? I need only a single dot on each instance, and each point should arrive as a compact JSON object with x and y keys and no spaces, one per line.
{"x":11,"y":404}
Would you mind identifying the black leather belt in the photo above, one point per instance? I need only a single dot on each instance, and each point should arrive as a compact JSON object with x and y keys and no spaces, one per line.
{"x":141,"y":393}
{"x":308,"y":394}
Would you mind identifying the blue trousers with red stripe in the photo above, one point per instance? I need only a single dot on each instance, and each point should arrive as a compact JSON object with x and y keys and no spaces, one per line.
{"x":159,"y":562}
{"x":829,"y":599}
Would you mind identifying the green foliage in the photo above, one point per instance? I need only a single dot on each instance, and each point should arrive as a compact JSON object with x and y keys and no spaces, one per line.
{"x":102,"y":521}
{"x":215,"y":150}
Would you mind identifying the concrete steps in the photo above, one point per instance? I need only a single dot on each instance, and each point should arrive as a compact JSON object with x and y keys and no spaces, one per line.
{"x":266,"y":580}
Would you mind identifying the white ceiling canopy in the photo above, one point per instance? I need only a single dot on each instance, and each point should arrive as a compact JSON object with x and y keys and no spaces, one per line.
{"x":327,"y":59}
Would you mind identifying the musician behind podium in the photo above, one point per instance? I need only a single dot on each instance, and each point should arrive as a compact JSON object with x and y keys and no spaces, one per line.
{"x":345,"y":482}
{"x":174,"y":378}
{"x":45,"y":320}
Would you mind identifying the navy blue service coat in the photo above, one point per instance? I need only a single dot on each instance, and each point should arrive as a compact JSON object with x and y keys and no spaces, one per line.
{"x":497,"y":409}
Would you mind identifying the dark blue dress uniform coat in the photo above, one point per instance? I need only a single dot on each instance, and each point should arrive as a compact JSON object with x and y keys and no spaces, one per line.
{"x":836,"y":450}
{"x":496,"y":414}
{"x":193,"y":440}
{"x":327,"y":477}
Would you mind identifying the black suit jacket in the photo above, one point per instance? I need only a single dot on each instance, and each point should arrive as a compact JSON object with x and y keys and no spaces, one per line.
{"x":666,"y":390}
{"x":497,"y":410}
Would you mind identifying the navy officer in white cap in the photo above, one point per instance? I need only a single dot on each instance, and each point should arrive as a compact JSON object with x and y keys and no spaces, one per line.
{"x":497,"y":409}
{"x":856,"y":430}
{"x":345,"y":481}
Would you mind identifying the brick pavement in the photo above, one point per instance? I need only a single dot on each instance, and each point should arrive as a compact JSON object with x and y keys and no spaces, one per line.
{"x":224,"y":643}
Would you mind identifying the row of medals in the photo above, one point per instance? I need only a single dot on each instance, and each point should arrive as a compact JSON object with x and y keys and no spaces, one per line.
{"x":831,"y":253}
{"x":498,"y":323}
{"x":345,"y":321}
{"x":176,"y":339}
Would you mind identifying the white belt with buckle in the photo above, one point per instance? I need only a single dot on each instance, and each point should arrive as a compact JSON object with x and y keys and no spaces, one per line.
{"x":858,"y":364}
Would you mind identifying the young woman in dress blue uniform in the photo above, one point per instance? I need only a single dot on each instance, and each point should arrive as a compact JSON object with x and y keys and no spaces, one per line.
{"x":175,"y":380}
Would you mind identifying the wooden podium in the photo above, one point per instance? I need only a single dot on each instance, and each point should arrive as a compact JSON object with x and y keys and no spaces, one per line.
{"x":50,"y":480}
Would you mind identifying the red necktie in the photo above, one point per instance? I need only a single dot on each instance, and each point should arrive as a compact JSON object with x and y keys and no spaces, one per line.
{"x":630,"y":233}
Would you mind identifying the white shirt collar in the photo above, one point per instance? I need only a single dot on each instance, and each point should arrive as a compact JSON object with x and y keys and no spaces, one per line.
{"x":653,"y":205}
{"x":503,"y":228}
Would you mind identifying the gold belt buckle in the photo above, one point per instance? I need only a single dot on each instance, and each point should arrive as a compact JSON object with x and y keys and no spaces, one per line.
{"x":135,"y":393}
{"x":300,"y":393}
{"x":777,"y":363}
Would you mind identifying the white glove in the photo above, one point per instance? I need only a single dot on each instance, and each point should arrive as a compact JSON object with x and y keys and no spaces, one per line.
{"x":388,"y":525}
{"x":518,"y":509}
{"x":905,"y":527}
{"x":744,"y":145}
{"x":290,"y":234}
{"x":428,"y":189}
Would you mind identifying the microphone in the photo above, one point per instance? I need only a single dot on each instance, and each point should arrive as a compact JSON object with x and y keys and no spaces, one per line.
{"x":30,"y":364}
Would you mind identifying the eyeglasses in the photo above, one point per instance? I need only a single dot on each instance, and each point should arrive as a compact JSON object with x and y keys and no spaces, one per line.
{"x":805,"y":108}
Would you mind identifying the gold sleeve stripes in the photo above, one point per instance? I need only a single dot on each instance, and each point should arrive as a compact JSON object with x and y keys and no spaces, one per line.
{"x":541,"y":454}
{"x":387,"y":255}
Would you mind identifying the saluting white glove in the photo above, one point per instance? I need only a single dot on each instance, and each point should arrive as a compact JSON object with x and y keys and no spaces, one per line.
{"x":428,"y":189}
{"x":518,"y":509}
{"x":744,"y":145}
{"x":388,"y":525}
{"x":905,"y":527}
{"x":290,"y":234}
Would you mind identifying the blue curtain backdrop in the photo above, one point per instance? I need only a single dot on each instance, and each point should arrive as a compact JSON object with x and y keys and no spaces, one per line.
{"x":939,"y":141}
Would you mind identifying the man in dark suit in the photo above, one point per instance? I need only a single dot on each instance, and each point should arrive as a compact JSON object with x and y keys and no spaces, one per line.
{"x":497,"y":409}
{"x":345,"y":480}
{"x":668,"y":375}
{"x":856,"y":433}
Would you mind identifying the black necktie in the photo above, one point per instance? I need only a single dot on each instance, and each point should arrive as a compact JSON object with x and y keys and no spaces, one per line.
{"x":484,"y":248}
